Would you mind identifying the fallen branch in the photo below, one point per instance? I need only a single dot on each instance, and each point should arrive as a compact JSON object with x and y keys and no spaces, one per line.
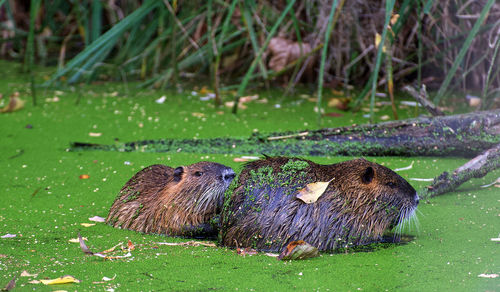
{"x":477,"y":167}
{"x":463,"y":135}
{"x":423,"y":99}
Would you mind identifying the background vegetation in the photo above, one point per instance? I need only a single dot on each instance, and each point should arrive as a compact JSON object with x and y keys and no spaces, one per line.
{"x":446,"y":45}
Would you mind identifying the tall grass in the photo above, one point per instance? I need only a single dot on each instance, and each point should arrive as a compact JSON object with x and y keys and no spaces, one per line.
{"x":165,"y":43}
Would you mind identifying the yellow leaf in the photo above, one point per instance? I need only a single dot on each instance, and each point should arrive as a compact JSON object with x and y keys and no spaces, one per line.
{"x":394,"y":19}
{"x":61,"y":280}
{"x":15,"y":104}
{"x":298,"y":250}
{"x":87,"y":224}
{"x":313,"y":191}
{"x":378,"y":39}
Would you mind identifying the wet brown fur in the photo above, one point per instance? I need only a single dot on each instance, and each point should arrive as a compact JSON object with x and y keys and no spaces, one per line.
{"x":360,"y":204}
{"x":179,"y":202}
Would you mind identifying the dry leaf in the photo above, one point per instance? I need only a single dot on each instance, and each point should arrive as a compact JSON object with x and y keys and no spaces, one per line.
{"x":11,"y":285}
{"x":91,"y":134}
{"x":491,"y":276}
{"x":87,"y":224}
{"x":394,"y":18}
{"x":198,"y":115}
{"x":77,"y":240}
{"x":246,"y":251}
{"x":161,"y":99}
{"x":97,"y":219}
{"x":106,"y":279}
{"x":298,"y":250}
{"x":83,"y":246}
{"x":34,"y":282}
{"x":130,"y":245}
{"x":8,"y":235}
{"x":313,"y":191}
{"x":61,"y":280}
{"x":385,"y":117}
{"x":26,"y":274}
{"x":283,"y":52}
{"x":84,"y":176}
{"x":15,"y":104}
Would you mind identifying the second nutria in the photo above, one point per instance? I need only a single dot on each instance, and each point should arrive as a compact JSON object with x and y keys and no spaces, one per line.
{"x":363,"y":200}
{"x":181,"y":202}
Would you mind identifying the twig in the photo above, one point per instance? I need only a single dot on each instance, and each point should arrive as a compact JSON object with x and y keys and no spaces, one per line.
{"x":423,"y":99}
{"x":288,"y":136}
{"x":477,"y":167}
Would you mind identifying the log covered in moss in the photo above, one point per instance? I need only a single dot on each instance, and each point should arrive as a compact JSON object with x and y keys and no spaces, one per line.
{"x":464,"y":135}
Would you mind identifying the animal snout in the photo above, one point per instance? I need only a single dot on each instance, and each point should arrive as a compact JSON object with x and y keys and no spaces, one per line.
{"x":228,"y":174}
{"x":417,"y":199}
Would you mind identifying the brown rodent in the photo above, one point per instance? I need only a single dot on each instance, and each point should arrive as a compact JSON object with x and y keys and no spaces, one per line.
{"x":180,"y":202}
{"x":363,"y":200}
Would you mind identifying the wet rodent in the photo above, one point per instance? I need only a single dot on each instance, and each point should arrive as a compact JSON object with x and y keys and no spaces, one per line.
{"x":179,"y":202}
{"x":363,"y":200}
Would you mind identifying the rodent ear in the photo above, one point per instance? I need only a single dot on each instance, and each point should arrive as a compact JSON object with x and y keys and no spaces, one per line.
{"x":367,"y":176}
{"x":178,"y":173}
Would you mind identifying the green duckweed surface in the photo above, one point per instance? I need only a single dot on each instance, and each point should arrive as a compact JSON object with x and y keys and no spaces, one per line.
{"x":43,"y":201}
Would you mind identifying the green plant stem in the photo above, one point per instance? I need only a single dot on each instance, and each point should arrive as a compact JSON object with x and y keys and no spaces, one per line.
{"x":328,"y":32}
{"x":246,"y":78}
{"x":488,"y":76}
{"x":389,"y":7}
{"x":30,"y":50}
{"x":463,"y":51}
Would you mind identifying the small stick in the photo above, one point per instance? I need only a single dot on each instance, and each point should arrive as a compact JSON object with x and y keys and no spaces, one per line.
{"x":288,"y":136}
{"x":477,"y":167}
{"x":423,"y":99}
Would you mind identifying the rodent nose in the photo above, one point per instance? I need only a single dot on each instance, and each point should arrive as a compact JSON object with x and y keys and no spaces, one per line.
{"x":228,"y":175}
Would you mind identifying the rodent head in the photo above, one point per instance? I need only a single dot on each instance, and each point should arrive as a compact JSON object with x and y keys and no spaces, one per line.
{"x":383,"y":192}
{"x":205,"y":181}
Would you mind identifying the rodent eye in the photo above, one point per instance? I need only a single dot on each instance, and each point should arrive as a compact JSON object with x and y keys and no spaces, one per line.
{"x":198,"y":173}
{"x":391,"y":184}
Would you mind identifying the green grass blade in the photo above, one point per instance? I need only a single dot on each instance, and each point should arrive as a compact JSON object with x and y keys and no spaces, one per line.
{"x":96,"y":28}
{"x":99,"y":45}
{"x":463,"y":51}
{"x":490,"y":69}
{"x":328,"y":32}
{"x":30,"y":50}
{"x":389,"y":7}
{"x":246,"y":78}
{"x":253,"y":38}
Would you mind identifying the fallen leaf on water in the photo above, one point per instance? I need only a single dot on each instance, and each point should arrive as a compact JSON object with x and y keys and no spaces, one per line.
{"x":87,"y":224}
{"x":106,"y":279}
{"x":198,"y":115}
{"x":15,"y":104}
{"x":113,"y":248}
{"x":130,"y":245}
{"x":11,"y":285}
{"x":34,"y":282}
{"x":8,"y":235}
{"x":83,"y":246}
{"x":26,"y":274}
{"x":246,"y":251}
{"x":161,"y":99}
{"x":61,"y":280}
{"x":249,"y":98}
{"x":97,"y":219}
{"x":84,"y":176}
{"x":298,"y":250}
{"x":77,"y":240}
{"x":91,"y":134}
{"x":270,"y":254}
{"x":491,"y":276}
{"x":313,"y":191}
{"x":333,"y":114}
{"x":385,"y":117}
{"x":245,"y":158}
{"x":189,"y":243}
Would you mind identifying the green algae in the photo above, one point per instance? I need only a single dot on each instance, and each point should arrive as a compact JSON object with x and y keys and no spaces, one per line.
{"x":43,"y":201}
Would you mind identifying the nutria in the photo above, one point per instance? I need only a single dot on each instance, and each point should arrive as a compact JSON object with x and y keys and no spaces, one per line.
{"x":180,"y":202}
{"x":363,"y":200}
